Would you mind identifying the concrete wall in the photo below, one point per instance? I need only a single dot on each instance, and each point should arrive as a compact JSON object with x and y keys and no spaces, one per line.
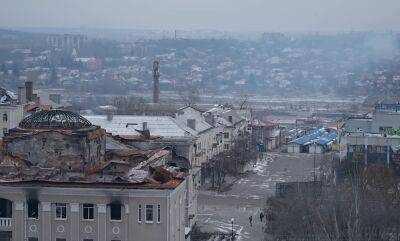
{"x":14,"y":117}
{"x":47,"y":228}
{"x":317,"y":149}
{"x":385,"y":119}
{"x":358,"y":125}
{"x":51,"y":146}
{"x":293,"y":148}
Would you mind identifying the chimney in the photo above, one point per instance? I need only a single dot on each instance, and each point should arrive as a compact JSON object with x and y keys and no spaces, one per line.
{"x":209,"y":118}
{"x":191,"y":123}
{"x":145,"y":131}
{"x":21,"y":95}
{"x":29,"y":90}
{"x":144,"y":124}
{"x":230,"y":119}
{"x":110,"y":115}
{"x":55,"y":98}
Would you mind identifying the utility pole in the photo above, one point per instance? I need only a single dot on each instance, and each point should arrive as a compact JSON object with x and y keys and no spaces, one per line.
{"x":314,"y":162}
{"x":233,"y":234}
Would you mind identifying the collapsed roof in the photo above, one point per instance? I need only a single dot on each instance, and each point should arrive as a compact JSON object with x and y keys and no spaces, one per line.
{"x":16,"y":171}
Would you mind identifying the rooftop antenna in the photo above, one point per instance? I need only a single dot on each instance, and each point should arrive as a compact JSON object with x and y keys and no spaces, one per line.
{"x":156,"y":77}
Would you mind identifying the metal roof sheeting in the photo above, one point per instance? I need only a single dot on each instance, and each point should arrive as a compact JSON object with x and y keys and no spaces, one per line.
{"x":164,"y":126}
{"x":320,"y":137}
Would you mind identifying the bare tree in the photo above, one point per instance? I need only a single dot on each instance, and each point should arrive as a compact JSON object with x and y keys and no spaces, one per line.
{"x":230,"y":161}
{"x":189,"y":95}
{"x":364,"y":207}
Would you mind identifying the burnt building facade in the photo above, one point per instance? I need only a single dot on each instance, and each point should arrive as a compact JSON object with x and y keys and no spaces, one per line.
{"x":57,"y":182}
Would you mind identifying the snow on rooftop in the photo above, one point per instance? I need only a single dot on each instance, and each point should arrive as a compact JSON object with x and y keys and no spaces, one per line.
{"x":164,"y":126}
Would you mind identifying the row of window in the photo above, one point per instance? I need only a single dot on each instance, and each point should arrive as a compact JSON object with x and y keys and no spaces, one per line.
{"x":88,"y":211}
{"x":370,"y":148}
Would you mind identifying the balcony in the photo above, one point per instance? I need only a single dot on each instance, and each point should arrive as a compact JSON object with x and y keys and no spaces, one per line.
{"x":5,"y":222}
{"x":5,"y":213}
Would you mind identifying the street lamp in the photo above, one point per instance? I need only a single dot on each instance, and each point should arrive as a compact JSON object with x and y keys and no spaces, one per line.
{"x":232,"y":219}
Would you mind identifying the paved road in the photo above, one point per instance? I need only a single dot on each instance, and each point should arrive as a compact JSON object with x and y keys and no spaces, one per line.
{"x":248,"y":195}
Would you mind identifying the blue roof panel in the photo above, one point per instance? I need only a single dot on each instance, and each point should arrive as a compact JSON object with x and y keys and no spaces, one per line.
{"x":320,"y":137}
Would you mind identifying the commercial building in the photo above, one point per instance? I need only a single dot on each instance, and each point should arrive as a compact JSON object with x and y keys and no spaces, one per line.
{"x":266,"y":135}
{"x":318,"y":141}
{"x":373,"y":138}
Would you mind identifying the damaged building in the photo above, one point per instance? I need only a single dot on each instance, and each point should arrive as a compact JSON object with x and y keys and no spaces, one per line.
{"x":11,"y":112}
{"x":59,"y":181}
{"x":56,"y":136}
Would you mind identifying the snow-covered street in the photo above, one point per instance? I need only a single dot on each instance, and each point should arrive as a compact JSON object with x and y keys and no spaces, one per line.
{"x":248,"y":195}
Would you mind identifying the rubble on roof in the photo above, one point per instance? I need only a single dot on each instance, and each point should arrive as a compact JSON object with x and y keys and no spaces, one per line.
{"x":73,"y":170}
{"x":119,"y":164}
{"x":136,"y":176}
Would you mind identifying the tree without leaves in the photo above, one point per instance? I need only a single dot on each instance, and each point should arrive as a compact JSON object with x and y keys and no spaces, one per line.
{"x":231,"y":161}
{"x":364,"y":207}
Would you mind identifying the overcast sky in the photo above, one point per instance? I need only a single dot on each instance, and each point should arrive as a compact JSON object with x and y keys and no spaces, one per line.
{"x":236,"y":15}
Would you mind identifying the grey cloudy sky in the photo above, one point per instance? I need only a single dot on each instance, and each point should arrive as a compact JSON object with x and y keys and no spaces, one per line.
{"x":265,"y":15}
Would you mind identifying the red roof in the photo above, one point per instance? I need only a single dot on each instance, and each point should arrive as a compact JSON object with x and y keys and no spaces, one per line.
{"x":31,"y":107}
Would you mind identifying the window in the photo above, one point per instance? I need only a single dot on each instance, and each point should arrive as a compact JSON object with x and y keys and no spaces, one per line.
{"x":158,"y":213}
{"x":226,"y":146}
{"x":33,"y":239}
{"x":226,"y":135}
{"x":149,"y":214}
{"x":33,"y":209}
{"x":61,"y":211}
{"x":5,"y":131}
{"x":61,"y":239}
{"x":115,"y":211}
{"x":5,"y":117}
{"x":88,"y":211}
{"x":88,"y":240}
{"x":357,"y":148}
{"x":140,"y":213}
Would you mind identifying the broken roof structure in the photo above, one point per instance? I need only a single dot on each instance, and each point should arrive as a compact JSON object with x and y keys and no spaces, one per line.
{"x":52,"y":148}
{"x":55,"y":119}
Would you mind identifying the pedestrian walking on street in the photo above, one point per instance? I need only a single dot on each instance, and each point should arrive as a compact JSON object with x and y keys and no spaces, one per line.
{"x":261,"y":216}
{"x":251,"y":221}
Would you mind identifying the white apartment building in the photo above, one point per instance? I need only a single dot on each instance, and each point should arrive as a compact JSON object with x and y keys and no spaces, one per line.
{"x":11,"y":113}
